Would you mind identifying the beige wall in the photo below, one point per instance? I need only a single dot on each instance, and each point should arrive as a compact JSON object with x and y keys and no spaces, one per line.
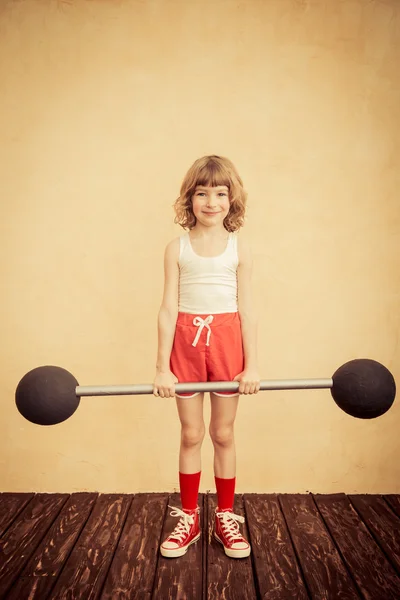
{"x":104,"y":105}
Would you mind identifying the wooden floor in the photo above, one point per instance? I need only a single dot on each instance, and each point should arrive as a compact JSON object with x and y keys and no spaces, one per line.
{"x":87,"y":545}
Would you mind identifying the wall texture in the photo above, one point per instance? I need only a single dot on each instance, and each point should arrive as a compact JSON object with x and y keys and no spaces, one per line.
{"x":103,"y":107}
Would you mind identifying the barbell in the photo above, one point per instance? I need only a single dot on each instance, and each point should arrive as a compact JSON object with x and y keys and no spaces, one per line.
{"x":362,"y":388}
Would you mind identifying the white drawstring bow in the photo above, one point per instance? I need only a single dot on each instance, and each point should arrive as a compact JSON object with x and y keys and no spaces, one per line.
{"x":201,"y":323}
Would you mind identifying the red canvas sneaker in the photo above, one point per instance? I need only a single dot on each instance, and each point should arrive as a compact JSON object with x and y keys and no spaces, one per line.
{"x":228,"y":534}
{"x":185,"y":533}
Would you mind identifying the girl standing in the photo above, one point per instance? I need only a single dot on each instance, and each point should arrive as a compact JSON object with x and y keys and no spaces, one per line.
{"x":207,"y":332}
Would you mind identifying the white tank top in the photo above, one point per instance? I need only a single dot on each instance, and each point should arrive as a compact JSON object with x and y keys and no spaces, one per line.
{"x":208,"y":285}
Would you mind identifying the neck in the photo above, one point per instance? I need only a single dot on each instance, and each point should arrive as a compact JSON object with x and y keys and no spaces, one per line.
{"x":209,"y":232}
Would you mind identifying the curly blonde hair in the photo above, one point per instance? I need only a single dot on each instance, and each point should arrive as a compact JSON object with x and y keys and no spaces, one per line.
{"x":212,"y":171}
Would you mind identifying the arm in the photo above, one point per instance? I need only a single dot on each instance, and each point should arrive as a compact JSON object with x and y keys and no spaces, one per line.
{"x":249,"y":378}
{"x":167,"y":316}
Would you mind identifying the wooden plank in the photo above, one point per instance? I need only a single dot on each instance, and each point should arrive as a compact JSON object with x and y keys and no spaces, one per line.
{"x":393,"y":501}
{"x":131,"y":574}
{"x":276,"y":569}
{"x":382,"y":522}
{"x":10,"y":507}
{"x":227,"y":578}
{"x":42,"y":570}
{"x":204,"y":541}
{"x":373,"y":573}
{"x":26,"y":532}
{"x":180,"y":578}
{"x":86,"y":567}
{"x":324,"y":572}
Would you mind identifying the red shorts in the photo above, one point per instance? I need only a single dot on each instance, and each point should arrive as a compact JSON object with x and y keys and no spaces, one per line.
{"x":207,"y":348}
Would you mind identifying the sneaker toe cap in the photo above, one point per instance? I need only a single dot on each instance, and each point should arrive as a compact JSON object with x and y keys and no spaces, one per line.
{"x":169,"y":545}
{"x":239,"y":546}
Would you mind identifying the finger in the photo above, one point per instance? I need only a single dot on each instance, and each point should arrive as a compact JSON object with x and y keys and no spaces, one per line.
{"x":155,"y":391}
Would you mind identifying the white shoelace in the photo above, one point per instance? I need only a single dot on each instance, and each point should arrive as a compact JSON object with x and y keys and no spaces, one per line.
{"x":230,"y":525}
{"x":201,"y":323}
{"x":183,"y":527}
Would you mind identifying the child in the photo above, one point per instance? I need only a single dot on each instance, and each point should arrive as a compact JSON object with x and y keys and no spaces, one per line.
{"x":207,"y":332}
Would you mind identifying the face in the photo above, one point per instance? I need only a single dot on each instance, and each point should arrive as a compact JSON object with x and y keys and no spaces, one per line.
{"x":211,"y":204}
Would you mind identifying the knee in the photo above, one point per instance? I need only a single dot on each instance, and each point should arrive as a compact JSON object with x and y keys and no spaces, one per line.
{"x":222,"y":436}
{"x":192,"y":436}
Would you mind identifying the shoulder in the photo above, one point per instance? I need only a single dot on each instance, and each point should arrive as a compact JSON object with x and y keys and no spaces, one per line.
{"x":244,"y":248}
{"x":172,"y":249}
{"x":171,"y":252}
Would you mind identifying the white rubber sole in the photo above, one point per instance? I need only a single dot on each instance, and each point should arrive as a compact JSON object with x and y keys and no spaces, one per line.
{"x":234,"y":553}
{"x":175,"y":552}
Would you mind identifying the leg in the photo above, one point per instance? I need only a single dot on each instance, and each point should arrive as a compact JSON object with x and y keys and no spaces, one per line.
{"x":223,"y":414}
{"x":187,"y":531}
{"x":188,"y":364}
{"x":190,"y":412}
{"x":226,"y":528}
{"x":225,"y":361}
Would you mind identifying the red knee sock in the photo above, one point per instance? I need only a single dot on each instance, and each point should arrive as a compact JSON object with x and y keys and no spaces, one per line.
{"x":189,"y":487}
{"x":225,"y":492}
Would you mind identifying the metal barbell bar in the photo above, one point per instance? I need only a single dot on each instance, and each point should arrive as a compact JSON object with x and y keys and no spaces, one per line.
{"x":206,"y":386}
